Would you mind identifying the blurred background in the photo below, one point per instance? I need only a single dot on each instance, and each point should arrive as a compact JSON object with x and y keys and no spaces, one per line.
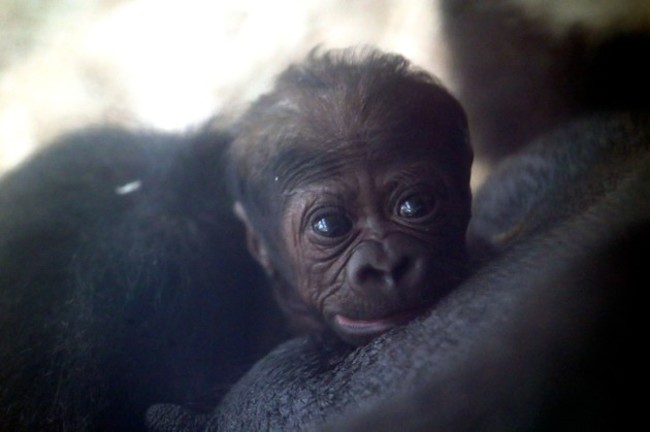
{"x":172,"y":64}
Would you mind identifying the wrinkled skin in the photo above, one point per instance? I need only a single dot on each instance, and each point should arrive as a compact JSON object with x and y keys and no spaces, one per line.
{"x":368,"y":198}
{"x":373,"y":245}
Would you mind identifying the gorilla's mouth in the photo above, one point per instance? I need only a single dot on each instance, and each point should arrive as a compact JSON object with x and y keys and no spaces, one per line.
{"x":361,"y":331}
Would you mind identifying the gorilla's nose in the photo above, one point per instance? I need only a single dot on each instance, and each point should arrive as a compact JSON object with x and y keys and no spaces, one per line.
{"x":392,"y":269}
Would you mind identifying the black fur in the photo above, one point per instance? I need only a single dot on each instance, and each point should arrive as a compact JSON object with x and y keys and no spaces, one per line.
{"x":110,"y":299}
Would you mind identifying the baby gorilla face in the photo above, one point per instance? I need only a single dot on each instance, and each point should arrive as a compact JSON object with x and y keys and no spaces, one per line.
{"x":352,"y":178}
{"x":374,"y":242}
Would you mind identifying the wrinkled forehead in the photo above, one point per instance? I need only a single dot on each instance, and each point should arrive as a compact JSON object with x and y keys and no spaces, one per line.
{"x":297,"y":166}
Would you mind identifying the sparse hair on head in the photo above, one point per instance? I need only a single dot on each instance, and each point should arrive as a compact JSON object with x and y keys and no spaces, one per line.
{"x":331,"y":98}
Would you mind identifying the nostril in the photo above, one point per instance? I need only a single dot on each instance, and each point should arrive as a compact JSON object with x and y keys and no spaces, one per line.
{"x":390,"y":271}
{"x":368,"y":273}
{"x":385,"y":269}
{"x":390,"y":275}
{"x":401,"y":269}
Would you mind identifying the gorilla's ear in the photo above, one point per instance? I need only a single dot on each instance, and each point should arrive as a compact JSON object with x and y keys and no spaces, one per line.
{"x":256,"y":245}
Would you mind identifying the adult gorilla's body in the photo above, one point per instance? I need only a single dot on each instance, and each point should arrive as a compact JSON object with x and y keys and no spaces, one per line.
{"x":544,"y":336}
{"x":124,"y":281}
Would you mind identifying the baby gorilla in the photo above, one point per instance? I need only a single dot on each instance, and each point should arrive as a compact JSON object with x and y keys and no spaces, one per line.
{"x":352,"y":178}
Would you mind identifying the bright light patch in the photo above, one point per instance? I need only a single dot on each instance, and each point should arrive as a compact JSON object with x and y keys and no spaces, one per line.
{"x":128,"y":188}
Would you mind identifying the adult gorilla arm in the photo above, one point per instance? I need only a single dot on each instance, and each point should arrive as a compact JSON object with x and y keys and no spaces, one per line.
{"x":124,"y":281}
{"x":538,"y":337}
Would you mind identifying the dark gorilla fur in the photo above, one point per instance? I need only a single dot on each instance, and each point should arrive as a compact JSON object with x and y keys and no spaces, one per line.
{"x":544,"y":337}
{"x":112,"y":299}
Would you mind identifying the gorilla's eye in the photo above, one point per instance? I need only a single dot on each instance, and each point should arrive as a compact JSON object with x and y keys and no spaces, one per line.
{"x":331,"y":224}
{"x":415,"y":206}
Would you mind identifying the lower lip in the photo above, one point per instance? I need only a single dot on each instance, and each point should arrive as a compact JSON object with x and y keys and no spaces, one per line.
{"x":374,"y":326}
